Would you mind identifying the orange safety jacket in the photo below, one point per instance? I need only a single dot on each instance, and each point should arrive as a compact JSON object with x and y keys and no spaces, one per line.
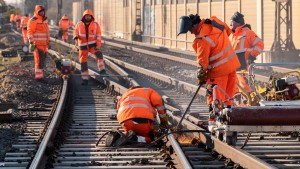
{"x":245,"y":40}
{"x":37,"y":29}
{"x":17,"y":18}
{"x":88,"y":39}
{"x":24,"y":22}
{"x":214,"y":51}
{"x":64,"y":24}
{"x":140,"y":103}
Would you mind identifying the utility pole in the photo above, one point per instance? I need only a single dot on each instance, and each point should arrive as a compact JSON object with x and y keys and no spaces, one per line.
{"x":46,"y":5}
{"x":86,"y":5}
{"x":59,"y":8}
{"x":283,"y":48}
{"x":283,"y":12}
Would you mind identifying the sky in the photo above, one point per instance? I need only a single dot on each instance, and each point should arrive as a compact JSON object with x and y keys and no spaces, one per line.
{"x":12,"y":1}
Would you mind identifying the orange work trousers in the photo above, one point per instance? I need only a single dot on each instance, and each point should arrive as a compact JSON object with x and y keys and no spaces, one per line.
{"x":40,"y":56}
{"x":24,"y":34}
{"x":227,"y":83}
{"x":64,"y":35}
{"x":83,"y":58}
{"x":141,"y":129}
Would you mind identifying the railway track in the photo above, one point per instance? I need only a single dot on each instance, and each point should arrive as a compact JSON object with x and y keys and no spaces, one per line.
{"x":200,"y":150}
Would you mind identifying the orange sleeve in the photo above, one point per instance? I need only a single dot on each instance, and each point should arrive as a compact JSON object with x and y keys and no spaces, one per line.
{"x":202,"y":49}
{"x":256,"y":43}
{"x":59,"y":24}
{"x":31,"y":28}
{"x":157,"y":101}
{"x":76,"y":32}
{"x":98,"y":35}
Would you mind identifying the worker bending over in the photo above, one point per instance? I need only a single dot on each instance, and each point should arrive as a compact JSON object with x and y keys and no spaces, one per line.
{"x":137,"y":109}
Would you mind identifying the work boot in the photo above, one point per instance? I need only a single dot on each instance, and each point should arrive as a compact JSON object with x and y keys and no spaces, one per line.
{"x":112,"y":138}
{"x":84,"y":82}
{"x":130,"y":137}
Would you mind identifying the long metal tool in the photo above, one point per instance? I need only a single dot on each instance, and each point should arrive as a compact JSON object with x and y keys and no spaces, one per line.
{"x":186,"y":110}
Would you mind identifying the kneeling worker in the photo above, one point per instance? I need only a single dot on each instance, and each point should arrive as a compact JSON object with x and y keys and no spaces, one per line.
{"x":137,"y":109}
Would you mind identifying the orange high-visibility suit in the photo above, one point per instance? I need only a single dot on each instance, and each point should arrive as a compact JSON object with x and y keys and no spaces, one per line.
{"x":246,"y":44}
{"x":89,"y":37}
{"x":24,"y":22}
{"x":64,"y":25}
{"x":216,"y":55}
{"x":17,"y":19}
{"x":137,"y":109}
{"x":38,"y":34}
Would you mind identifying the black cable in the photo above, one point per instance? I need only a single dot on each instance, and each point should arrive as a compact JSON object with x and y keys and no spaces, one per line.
{"x":246,"y":141}
{"x":153,"y":142}
{"x":102,"y":137}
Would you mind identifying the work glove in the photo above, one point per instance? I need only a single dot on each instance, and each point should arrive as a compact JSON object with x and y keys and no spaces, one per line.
{"x":201,"y":75}
{"x":251,"y":59}
{"x":97,"y":48}
{"x":75,"y":38}
{"x":164,"y":123}
{"x":31,"y":47}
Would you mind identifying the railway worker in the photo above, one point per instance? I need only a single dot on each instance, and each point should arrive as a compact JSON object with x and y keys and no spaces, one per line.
{"x":137,"y":109}
{"x":88,"y":34}
{"x":17,"y":19}
{"x":24,"y":22}
{"x":39,"y":39}
{"x":247,"y":46}
{"x":216,"y":59}
{"x":64,"y":25}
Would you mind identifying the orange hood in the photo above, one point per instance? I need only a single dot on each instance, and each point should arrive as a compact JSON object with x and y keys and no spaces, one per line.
{"x":38,"y":8}
{"x":87,"y":12}
{"x":64,"y":17}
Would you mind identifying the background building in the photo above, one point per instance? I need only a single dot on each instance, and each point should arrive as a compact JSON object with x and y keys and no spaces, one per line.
{"x":155,"y":21}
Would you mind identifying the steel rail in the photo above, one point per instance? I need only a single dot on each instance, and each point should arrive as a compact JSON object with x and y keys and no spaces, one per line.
{"x":36,"y":162}
{"x":184,"y":161}
{"x":241,"y":157}
{"x":120,"y":89}
{"x":258,"y":165}
{"x":172,"y":81}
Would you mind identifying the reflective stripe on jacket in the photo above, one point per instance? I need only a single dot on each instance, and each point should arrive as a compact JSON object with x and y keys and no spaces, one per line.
{"x":213,"y":48}
{"x":245,"y":40}
{"x":37,"y":29}
{"x":140,"y":103}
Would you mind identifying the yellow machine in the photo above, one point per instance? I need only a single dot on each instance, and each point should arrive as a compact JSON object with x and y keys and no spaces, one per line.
{"x":280,"y":87}
{"x":64,"y":66}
